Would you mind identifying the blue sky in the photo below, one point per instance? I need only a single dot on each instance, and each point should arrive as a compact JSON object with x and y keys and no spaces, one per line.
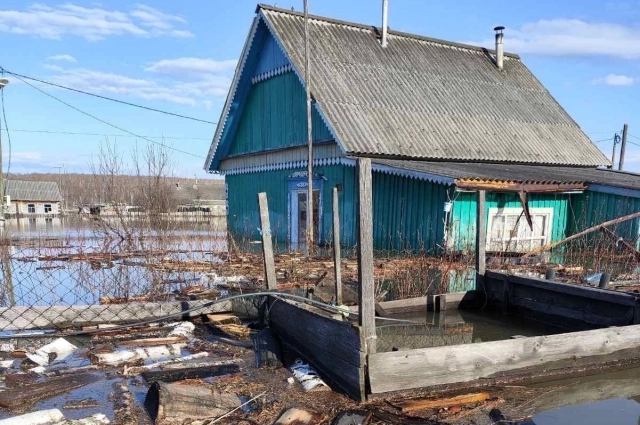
{"x":180,"y":57}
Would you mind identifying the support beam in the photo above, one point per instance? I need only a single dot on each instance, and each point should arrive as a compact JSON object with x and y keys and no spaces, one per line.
{"x":366,"y":290}
{"x":267,"y":247}
{"x":336,"y":247}
{"x":481,"y":238}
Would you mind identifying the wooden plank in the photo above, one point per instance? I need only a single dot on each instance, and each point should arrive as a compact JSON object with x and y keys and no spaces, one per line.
{"x":366,"y":289}
{"x":481,"y":237}
{"x":29,"y":394}
{"x":403,"y":370}
{"x":566,"y":288}
{"x":572,"y":302}
{"x":550,"y":310}
{"x":42,"y":317}
{"x":267,"y":247}
{"x":337,"y":270}
{"x":189,"y":372}
{"x":410,"y":305}
{"x":331,"y":346}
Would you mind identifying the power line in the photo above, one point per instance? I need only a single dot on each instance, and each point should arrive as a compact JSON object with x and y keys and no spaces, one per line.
{"x":105,"y":122}
{"x":107,"y":98}
{"x":597,"y":141}
{"x":108,"y":135}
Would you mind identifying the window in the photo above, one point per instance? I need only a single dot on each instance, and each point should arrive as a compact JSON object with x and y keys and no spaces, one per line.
{"x":31,"y":208}
{"x":47,"y":208}
{"x":508,"y":230}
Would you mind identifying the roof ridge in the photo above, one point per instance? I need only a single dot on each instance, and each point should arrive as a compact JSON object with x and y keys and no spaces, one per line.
{"x":391,"y":31}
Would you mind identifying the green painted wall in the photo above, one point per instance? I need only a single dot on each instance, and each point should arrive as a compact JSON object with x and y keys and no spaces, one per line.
{"x":463,"y":216}
{"x":244,"y":220}
{"x":274,"y":117}
{"x":592,"y":208}
{"x":408,"y":213}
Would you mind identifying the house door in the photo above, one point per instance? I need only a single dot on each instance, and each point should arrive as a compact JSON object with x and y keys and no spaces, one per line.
{"x":299,"y":210}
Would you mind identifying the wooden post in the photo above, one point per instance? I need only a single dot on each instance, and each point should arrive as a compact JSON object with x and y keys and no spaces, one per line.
{"x":481,"y":238}
{"x":267,"y":248}
{"x":366,"y":290}
{"x":336,"y":247}
{"x":307,"y":79}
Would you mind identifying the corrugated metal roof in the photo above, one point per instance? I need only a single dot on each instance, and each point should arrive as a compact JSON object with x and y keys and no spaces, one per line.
{"x":427,"y":98}
{"x":518,"y":173}
{"x":24,"y":190}
{"x":202,"y":191}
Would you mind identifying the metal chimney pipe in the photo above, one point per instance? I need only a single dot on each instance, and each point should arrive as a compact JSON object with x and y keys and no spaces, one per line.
{"x":499,"y":47}
{"x":385,"y":12}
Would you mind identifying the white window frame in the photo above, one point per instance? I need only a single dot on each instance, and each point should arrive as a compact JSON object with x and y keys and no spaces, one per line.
{"x":29,"y":208}
{"x":50,"y":208}
{"x":493,"y":212}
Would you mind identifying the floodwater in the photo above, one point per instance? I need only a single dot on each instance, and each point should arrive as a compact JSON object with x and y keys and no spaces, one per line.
{"x":609,"y":398}
{"x":34,"y":276}
{"x":453,"y":327}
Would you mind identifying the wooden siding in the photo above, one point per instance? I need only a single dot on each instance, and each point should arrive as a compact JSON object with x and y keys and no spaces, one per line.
{"x":281,"y":156}
{"x":243,"y":218}
{"x":407,"y":213}
{"x":271,"y":56}
{"x":274,"y":116}
{"x":592,"y":208}
{"x":463,"y":216}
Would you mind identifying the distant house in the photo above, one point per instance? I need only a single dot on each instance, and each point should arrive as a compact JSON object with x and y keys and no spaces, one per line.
{"x":206,"y":197}
{"x":33,"y":198}
{"x":439,"y":120}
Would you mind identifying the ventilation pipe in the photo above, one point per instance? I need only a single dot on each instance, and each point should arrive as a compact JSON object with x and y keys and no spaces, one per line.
{"x":385,"y":12}
{"x":499,"y":47}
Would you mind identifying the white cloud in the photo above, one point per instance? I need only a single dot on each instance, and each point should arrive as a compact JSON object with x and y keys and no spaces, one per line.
{"x":92,"y":24}
{"x":572,"y":37}
{"x":191,"y":66}
{"x":187,"y":89}
{"x":67,"y":58}
{"x":616,"y":80}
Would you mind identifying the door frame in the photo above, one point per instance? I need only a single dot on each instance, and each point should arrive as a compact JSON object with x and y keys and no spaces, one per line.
{"x":298,"y":183}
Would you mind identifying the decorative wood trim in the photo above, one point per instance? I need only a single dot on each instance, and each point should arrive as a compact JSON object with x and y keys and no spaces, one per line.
{"x":270,"y":74}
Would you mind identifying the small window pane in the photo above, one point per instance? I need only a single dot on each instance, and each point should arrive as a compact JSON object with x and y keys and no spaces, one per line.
{"x":31,"y":208}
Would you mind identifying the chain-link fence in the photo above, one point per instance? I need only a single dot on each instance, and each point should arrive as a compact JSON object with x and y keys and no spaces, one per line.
{"x":65,"y":277}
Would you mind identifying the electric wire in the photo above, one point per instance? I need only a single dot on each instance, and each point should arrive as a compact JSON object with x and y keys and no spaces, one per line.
{"x":106,"y":122}
{"x":19,"y":76}
{"x":72,"y":133}
{"x":324,"y":306}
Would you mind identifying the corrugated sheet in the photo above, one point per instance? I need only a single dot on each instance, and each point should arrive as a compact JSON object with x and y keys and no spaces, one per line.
{"x":24,"y":190}
{"x":428,"y":98}
{"x":520,"y":173}
{"x":202,"y":191}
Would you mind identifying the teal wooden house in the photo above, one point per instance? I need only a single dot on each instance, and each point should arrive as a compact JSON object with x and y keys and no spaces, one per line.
{"x":440,"y":121}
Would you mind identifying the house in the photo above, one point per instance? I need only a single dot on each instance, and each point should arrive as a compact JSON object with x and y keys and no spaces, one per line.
{"x":206,"y":197}
{"x":32,"y":198}
{"x":440,"y":121}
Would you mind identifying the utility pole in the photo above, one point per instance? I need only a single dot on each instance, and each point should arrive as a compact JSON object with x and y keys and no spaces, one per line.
{"x":3,"y":83}
{"x":623,"y":146}
{"x":616,"y":139}
{"x":60,"y":181}
{"x":307,"y":77}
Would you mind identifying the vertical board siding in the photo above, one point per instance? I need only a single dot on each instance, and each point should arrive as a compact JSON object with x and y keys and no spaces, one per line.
{"x":271,"y":56}
{"x":463,"y":216}
{"x":592,"y":208}
{"x":274,"y":117}
{"x":244,"y":220}
{"x":407,"y":213}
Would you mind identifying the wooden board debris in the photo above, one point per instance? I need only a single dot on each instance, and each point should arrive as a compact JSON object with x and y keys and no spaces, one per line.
{"x":29,"y":394}
{"x":295,"y":416}
{"x":417,"y":405}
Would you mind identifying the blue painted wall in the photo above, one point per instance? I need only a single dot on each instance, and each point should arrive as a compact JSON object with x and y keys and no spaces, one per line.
{"x":592,"y":208}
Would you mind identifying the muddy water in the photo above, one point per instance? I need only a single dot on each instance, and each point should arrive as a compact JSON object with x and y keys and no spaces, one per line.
{"x":611,"y":398}
{"x":455,"y":327}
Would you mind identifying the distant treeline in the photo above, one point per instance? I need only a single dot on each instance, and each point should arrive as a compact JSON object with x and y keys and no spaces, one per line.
{"x":150,"y":192}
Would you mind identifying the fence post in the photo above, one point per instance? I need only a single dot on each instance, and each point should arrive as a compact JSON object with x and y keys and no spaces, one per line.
{"x":366,"y":290}
{"x":336,"y":247}
{"x":267,"y":248}
{"x":481,"y":238}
